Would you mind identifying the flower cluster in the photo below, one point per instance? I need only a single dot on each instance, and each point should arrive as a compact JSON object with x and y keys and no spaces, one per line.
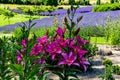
{"x":67,"y":51}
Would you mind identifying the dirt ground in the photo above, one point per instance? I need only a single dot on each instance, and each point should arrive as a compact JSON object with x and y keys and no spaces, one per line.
{"x":97,"y":67}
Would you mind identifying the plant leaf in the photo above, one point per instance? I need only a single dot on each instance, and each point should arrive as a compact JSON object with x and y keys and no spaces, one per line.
{"x":17,"y":68}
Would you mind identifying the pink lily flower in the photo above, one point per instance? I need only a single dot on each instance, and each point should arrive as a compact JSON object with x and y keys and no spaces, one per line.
{"x":42,"y":40}
{"x":36,"y":50}
{"x":19,"y":59}
{"x":81,"y":41}
{"x":53,"y":49}
{"x":78,"y":50}
{"x":61,"y":42}
{"x":24,"y":42}
{"x":68,"y":59}
{"x":60,"y":31}
{"x":83,"y":62}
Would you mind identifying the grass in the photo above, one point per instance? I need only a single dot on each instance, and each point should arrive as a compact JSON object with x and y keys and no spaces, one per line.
{"x":99,"y":40}
{"x":16,"y":18}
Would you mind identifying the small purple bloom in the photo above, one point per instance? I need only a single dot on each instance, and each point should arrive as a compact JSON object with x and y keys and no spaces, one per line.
{"x":19,"y":59}
{"x":53,"y":49}
{"x":68,"y":59}
{"x":42,"y":40}
{"x":24,"y":43}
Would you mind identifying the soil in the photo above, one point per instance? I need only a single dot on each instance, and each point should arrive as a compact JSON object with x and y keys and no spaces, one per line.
{"x":97,"y":67}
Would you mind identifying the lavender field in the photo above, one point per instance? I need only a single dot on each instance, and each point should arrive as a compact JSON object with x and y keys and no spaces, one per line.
{"x":89,"y":18}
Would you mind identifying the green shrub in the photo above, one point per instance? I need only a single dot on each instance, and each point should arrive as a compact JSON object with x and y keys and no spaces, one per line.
{"x":42,"y":31}
{"x":107,"y":62}
{"x":106,"y":7}
{"x":98,"y":2}
{"x":116,"y":69}
{"x":112,"y":32}
{"x":71,"y":2}
{"x":51,"y":2}
{"x":108,"y":74}
{"x":36,"y":10}
{"x":83,"y":2}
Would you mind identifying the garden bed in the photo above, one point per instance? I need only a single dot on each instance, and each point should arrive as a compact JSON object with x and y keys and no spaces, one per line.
{"x":97,"y":68}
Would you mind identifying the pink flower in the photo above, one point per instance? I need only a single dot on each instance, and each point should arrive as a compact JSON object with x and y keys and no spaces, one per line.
{"x":81,"y":41}
{"x":78,"y":50}
{"x":68,"y":59}
{"x":37,"y":49}
{"x":61,"y":42}
{"x":42,"y":40}
{"x":83,"y":62}
{"x":70,"y":43}
{"x":53,"y":49}
{"x":60,"y":31}
{"x":19,"y":59}
{"x":24,"y":42}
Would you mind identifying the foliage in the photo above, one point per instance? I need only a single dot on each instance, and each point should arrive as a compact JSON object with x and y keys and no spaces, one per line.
{"x":28,"y":66}
{"x":108,"y":70}
{"x":8,"y":14}
{"x":116,"y":69}
{"x":108,"y":73}
{"x":7,"y":49}
{"x":51,"y":2}
{"x":71,"y":2}
{"x":107,"y":62}
{"x":106,"y":7}
{"x":37,"y":10}
{"x":111,"y":31}
{"x":98,"y":2}
{"x":114,"y":1}
{"x":83,"y":2}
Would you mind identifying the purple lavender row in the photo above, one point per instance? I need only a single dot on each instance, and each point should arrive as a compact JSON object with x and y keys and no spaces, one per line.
{"x":63,"y":11}
{"x":89,"y":19}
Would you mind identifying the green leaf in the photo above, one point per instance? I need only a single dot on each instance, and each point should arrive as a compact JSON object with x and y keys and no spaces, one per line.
{"x":17,"y":68}
{"x":72,"y":74}
{"x":59,"y":74}
{"x":68,"y":26}
{"x":79,"y":19}
{"x":32,"y":25}
{"x":45,"y":75}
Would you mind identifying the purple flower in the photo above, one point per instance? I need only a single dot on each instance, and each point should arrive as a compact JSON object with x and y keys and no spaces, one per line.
{"x":78,"y":50}
{"x":42,"y":40}
{"x":61,"y":42}
{"x":81,"y":41}
{"x":37,"y":49}
{"x":68,"y":59}
{"x":60,"y":31}
{"x":83,"y":62}
{"x":24,"y":43}
{"x":53,"y":49}
{"x":19,"y":59}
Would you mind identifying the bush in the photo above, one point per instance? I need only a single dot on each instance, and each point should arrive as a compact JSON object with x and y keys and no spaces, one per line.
{"x":116,"y":69}
{"x":112,"y":32}
{"x":83,"y":2}
{"x":106,"y":7}
{"x":107,"y":62}
{"x":51,"y":2}
{"x":98,"y":2}
{"x":36,"y":10}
